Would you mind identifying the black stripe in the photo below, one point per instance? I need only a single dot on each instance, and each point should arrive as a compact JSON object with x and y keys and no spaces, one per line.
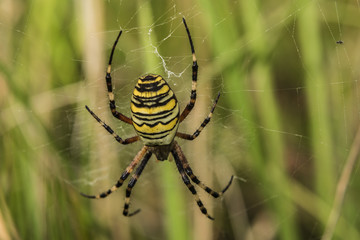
{"x":152,"y":119}
{"x":150,"y":77}
{"x":154,"y":138}
{"x":152,"y":87}
{"x":158,"y":99}
{"x":154,"y":114}
{"x":191,"y":188}
{"x":108,"y":82}
{"x":193,"y":94}
{"x":119,"y":184}
{"x":155,"y":104}
{"x":157,"y":133}
{"x":205,"y":122}
{"x":156,"y":123}
{"x":112,"y":104}
{"x":194,"y":70}
{"x":152,"y":83}
{"x":150,"y":99}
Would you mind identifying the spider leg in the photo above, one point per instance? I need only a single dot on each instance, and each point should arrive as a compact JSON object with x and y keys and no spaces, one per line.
{"x":124,"y":175}
{"x":115,"y":113}
{"x":189,"y":172}
{"x":195,"y":67}
{"x":202,"y":126}
{"x":117,"y":137}
{"x":188,"y":183}
{"x":132,"y":183}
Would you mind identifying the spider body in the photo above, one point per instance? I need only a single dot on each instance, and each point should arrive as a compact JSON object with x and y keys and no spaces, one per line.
{"x":154,"y":111}
{"x":155,"y":116}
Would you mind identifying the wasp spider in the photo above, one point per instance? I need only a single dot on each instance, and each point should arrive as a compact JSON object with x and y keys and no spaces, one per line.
{"x":155,"y":116}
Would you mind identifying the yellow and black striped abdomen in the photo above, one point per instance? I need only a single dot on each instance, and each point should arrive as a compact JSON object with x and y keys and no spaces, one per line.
{"x":154,"y":110}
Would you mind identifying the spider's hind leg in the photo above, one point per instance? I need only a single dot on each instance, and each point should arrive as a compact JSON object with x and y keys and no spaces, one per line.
{"x":182,"y":159}
{"x":191,"y":187}
{"x":132,"y":183}
{"x":123,"y":177}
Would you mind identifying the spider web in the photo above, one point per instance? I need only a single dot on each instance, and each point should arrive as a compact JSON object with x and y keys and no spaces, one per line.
{"x":175,"y":66}
{"x":159,"y":45}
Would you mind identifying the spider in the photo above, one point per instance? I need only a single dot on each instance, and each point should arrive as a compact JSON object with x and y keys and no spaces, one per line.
{"x":155,"y":116}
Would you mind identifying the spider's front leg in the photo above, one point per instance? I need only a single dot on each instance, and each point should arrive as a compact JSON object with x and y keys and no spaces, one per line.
{"x":195,"y":67}
{"x":112,"y":104}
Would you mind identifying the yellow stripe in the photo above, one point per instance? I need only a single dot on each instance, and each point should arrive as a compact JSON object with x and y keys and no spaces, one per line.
{"x":149,"y":111}
{"x":157,"y":128}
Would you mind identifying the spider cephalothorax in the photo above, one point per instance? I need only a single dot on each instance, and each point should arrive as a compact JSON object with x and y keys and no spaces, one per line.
{"x":155,"y":116}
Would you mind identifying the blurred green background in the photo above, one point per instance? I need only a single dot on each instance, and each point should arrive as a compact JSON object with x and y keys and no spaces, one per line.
{"x":285,"y":125}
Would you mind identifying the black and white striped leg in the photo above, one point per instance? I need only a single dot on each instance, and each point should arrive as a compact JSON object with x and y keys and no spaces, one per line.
{"x":132,"y":183}
{"x":193,"y":178}
{"x":112,"y":104}
{"x":124,"y":175}
{"x":107,"y":128}
{"x":195,"y":67}
{"x":187,"y":182}
{"x":202,"y":126}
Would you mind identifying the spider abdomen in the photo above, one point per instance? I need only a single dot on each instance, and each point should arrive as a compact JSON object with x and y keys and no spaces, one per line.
{"x":154,"y":110}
